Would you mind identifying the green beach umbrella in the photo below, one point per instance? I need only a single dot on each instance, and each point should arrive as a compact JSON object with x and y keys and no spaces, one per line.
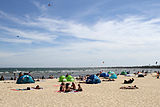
{"x":123,"y":73}
{"x":70,"y":78}
{"x":62,"y":79}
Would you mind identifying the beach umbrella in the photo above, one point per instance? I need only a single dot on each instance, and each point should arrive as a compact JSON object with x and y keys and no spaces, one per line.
{"x":93,"y":79}
{"x":62,"y":79}
{"x":70,"y":78}
{"x":104,"y":74}
{"x":123,"y":73}
{"x":140,"y":75}
{"x":25,"y":79}
{"x":113,"y":76}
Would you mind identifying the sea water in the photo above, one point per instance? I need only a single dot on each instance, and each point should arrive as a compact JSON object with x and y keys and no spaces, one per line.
{"x":56,"y":72}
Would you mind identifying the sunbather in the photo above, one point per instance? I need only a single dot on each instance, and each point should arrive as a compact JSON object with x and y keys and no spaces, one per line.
{"x":129,"y":87}
{"x":37,"y":87}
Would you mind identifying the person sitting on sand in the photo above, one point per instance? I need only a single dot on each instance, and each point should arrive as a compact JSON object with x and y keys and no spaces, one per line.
{"x":62,"y":87}
{"x":73,"y":86}
{"x":43,"y":77}
{"x":79,"y":88}
{"x":11,"y":78}
{"x":20,"y":74}
{"x":68,"y":88}
{"x":2,"y":78}
{"x":129,"y":81}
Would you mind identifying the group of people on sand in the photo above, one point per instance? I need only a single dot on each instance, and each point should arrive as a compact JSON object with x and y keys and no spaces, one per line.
{"x":68,"y":88}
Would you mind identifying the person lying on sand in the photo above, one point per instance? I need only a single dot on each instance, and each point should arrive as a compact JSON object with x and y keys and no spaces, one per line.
{"x":79,"y":88}
{"x":108,"y":79}
{"x":37,"y":87}
{"x":129,"y":87}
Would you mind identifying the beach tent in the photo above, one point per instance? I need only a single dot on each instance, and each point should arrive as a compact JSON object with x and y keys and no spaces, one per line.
{"x":70,"y":78}
{"x":93,"y":79}
{"x":113,"y":76}
{"x":103,"y":74}
{"x":62,"y":79}
{"x":25,"y":79}
{"x":140,"y":75}
{"x":123,"y":73}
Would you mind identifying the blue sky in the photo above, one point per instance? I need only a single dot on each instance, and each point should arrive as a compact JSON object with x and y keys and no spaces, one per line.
{"x":72,"y":33}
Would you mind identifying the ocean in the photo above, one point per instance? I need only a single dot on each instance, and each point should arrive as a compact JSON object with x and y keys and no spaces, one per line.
{"x":56,"y":72}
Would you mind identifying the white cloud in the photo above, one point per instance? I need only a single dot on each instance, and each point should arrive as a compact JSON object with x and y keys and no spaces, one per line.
{"x":133,"y":40}
{"x":6,"y":54}
{"x":15,"y":40}
{"x":35,"y":36}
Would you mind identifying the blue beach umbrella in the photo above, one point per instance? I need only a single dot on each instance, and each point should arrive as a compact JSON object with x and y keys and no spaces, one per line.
{"x":104,"y":74}
{"x":113,"y":76}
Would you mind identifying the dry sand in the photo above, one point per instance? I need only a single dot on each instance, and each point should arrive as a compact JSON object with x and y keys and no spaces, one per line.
{"x":93,"y":95}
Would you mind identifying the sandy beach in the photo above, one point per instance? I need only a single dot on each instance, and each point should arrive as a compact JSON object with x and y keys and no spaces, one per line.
{"x":93,"y":95}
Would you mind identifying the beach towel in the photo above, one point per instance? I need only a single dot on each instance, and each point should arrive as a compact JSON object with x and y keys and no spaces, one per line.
{"x":56,"y":85}
{"x":19,"y":89}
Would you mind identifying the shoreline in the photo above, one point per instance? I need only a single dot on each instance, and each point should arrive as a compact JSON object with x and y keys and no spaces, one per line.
{"x":95,"y":67}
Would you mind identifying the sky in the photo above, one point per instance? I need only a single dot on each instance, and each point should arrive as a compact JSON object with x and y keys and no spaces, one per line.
{"x":79,"y":33}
